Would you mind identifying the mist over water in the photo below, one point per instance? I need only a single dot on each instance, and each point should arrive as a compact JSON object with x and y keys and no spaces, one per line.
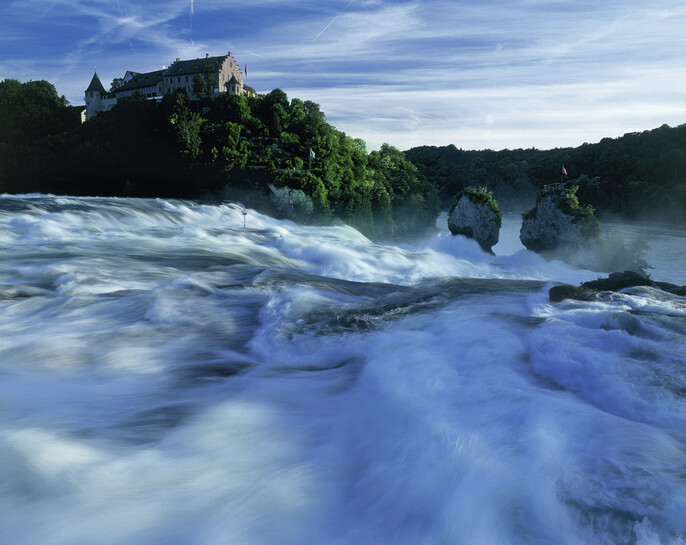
{"x":167,"y":376}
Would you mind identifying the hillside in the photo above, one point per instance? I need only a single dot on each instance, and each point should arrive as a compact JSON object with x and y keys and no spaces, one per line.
{"x":255,"y":148}
{"x":636,"y":176}
{"x":231,"y":146}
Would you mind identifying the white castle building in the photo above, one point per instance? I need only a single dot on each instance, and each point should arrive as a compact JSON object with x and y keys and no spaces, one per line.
{"x":222,"y":70}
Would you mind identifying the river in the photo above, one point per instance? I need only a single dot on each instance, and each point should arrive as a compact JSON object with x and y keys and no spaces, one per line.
{"x":169,"y":376}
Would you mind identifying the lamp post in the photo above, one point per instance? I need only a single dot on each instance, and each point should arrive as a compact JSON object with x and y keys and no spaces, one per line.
{"x":245,"y":213}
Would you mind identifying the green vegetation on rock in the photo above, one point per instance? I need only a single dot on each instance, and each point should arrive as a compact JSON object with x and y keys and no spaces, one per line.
{"x":480,"y":195}
{"x":559,"y":221}
{"x":585,"y":215}
{"x":568,"y":203}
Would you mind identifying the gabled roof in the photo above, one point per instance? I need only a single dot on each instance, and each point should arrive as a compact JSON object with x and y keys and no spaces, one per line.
{"x":233,"y":80}
{"x":95,"y":85}
{"x":195,"y":66}
{"x":129,"y":74}
{"x":146,"y":79}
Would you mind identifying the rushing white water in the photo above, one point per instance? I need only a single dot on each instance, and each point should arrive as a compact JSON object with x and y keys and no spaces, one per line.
{"x":170,"y":377}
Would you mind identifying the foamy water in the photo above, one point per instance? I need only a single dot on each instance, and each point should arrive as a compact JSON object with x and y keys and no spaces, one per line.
{"x":168,"y":376}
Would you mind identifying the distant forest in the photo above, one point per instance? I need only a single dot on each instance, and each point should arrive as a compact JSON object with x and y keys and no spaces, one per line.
{"x":230,"y":146}
{"x":637,"y":176}
{"x":251,"y":148}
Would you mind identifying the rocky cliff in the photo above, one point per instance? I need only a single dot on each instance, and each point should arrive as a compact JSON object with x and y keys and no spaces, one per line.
{"x":558,"y":222}
{"x":476,"y":215}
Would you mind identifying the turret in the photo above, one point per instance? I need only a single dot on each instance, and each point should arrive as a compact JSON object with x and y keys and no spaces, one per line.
{"x":94,"y":94}
{"x":233,"y":86}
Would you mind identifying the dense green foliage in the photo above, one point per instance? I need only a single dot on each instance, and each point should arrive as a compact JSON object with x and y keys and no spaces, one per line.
{"x":235,"y":146}
{"x":480,"y":195}
{"x":639,"y":175}
{"x":569,"y":204}
{"x":31,"y":114}
{"x":242,"y":145}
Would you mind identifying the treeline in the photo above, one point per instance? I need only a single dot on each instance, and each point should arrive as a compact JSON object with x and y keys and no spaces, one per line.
{"x":636,"y":176}
{"x":246,"y":147}
{"x":257,"y":149}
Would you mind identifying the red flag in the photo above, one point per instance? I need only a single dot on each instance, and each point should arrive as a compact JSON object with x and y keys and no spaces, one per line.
{"x":246,"y":69}
{"x":564,"y":171}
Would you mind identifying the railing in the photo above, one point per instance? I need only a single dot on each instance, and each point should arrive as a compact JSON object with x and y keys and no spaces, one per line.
{"x":550,"y":188}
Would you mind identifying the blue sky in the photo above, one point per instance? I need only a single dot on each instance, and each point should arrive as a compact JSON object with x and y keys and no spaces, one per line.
{"x":478,"y":74}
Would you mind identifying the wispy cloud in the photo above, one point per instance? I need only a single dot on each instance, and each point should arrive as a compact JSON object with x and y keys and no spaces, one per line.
{"x":477,"y":74}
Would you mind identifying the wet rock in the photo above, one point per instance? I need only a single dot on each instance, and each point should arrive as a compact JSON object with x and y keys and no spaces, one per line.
{"x":475,"y":215}
{"x":615,"y":282}
{"x":566,"y":291}
{"x":557,"y":223}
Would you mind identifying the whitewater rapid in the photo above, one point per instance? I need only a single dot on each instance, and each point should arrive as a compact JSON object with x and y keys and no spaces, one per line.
{"x":168,"y":376}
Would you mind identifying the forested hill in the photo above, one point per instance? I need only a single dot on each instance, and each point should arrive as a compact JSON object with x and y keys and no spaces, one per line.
{"x":639,"y":175}
{"x":257,"y":149}
{"x":238,"y":147}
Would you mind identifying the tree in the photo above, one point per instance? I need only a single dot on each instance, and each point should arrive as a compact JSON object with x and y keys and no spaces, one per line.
{"x":30,"y":110}
{"x":204,"y":84}
{"x":32,"y":116}
{"x":116,"y":83}
{"x":187,"y":148}
{"x":186,"y":126}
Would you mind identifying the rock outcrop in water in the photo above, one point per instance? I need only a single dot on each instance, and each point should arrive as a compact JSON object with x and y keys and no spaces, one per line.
{"x":615,"y":282}
{"x":557,"y":222}
{"x":476,"y":215}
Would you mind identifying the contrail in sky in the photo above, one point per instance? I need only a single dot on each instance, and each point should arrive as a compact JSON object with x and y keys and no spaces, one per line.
{"x":121,"y":14}
{"x":332,"y":20}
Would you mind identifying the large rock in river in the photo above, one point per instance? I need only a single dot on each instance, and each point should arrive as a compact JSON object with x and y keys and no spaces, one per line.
{"x":558,"y":222}
{"x":476,"y":215}
{"x":615,"y":282}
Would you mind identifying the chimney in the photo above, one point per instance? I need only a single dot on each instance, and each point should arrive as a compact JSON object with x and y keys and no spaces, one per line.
{"x":207,"y":55}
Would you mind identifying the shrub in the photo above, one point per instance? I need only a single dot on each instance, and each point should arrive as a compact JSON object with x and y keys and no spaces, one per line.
{"x":569,"y":204}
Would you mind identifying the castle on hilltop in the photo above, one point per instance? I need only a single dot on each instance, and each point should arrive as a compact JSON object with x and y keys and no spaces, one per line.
{"x":221,"y":73}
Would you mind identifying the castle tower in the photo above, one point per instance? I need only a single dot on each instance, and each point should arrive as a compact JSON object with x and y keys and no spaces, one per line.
{"x":233,"y":86}
{"x":94,"y":94}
